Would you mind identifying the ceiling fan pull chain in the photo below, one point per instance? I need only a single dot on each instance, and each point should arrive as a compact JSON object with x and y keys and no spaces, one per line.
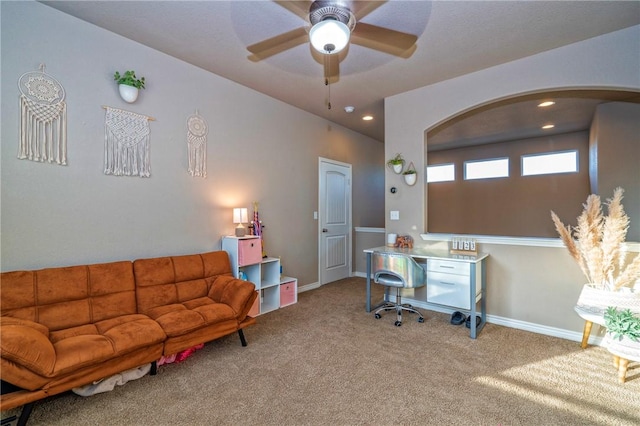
{"x":326,"y":82}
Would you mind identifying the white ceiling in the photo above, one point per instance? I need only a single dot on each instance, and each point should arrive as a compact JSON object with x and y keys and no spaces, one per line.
{"x":454,"y":38}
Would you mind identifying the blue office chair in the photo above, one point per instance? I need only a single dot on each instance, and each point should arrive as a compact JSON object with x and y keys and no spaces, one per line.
{"x":399,"y":271}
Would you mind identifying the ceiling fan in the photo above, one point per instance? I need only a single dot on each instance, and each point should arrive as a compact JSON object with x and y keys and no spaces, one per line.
{"x":331,"y":26}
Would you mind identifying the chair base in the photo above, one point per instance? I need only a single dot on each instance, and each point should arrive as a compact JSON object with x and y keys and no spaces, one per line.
{"x":398,"y":307}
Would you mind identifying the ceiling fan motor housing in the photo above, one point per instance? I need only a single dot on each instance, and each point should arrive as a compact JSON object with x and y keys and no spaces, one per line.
{"x":338,"y":11}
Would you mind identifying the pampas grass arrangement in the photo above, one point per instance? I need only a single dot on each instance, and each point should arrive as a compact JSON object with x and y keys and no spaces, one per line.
{"x":596,"y":243}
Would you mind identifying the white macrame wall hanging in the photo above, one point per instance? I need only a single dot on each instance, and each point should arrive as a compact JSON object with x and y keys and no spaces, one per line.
{"x":126,"y":143}
{"x":197,"y":145}
{"x":43,"y":118}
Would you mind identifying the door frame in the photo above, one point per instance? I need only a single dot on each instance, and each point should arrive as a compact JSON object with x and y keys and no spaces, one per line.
{"x":322,"y":160}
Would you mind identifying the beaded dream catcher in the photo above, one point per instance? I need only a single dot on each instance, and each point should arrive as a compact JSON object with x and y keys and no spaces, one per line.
{"x":126,"y":143}
{"x":43,"y":118}
{"x":197,"y":145}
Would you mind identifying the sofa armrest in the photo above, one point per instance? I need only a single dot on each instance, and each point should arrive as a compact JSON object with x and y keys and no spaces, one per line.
{"x":236,"y":293}
{"x":27,"y":343}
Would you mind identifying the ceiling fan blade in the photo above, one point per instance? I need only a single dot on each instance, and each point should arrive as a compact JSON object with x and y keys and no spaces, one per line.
{"x":277,"y":44}
{"x":332,"y":68}
{"x":384,"y":39}
{"x":300,"y":8}
{"x":361,"y":9}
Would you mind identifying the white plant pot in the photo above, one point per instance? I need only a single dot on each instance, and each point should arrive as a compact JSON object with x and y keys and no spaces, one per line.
{"x":594,"y":301}
{"x":397,"y":168}
{"x":128,"y":93}
{"x":411,"y":179}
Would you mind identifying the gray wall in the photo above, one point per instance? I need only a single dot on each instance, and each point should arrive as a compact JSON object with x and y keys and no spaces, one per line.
{"x":259,"y":149}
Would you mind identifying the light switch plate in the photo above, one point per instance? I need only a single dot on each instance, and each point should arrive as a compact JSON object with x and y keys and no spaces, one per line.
{"x":394,"y":215}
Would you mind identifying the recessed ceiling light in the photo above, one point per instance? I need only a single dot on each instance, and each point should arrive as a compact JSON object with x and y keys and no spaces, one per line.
{"x":367,"y":117}
{"x":349,"y":109}
{"x":546,"y":104}
{"x":548,"y":126}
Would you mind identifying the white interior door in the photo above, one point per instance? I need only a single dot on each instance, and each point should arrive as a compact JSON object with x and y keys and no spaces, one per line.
{"x":334,"y":221}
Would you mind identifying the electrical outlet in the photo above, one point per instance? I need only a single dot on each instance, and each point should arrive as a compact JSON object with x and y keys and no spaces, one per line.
{"x":394,"y":215}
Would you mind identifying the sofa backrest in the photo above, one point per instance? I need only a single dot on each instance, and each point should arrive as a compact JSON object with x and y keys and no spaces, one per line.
{"x":164,"y":281}
{"x":67,"y":297}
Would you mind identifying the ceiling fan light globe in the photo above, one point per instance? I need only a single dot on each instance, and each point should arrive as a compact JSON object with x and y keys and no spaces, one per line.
{"x":329,"y":36}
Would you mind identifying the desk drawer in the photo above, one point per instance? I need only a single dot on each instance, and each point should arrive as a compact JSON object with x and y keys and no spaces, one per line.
{"x":448,"y":289}
{"x":449,"y":267}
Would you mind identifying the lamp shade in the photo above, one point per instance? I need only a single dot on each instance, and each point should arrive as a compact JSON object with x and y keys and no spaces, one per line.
{"x":329,"y":36}
{"x":240,"y":215}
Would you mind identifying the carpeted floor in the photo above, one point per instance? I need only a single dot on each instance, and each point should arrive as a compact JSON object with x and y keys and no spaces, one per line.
{"x":325,"y":361}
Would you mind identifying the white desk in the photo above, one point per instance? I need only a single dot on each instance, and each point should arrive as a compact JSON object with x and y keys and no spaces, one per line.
{"x":476,"y":266}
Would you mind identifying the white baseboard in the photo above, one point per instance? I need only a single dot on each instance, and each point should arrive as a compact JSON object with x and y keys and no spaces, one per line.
{"x":506,"y":322}
{"x":308,"y":287}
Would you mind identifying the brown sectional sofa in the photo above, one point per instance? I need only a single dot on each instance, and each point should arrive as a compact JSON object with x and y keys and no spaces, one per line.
{"x":65,"y":327}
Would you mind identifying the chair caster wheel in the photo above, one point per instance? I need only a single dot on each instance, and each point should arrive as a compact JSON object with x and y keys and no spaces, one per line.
{"x":378,"y":316}
{"x":420,"y":319}
{"x":398,"y":323}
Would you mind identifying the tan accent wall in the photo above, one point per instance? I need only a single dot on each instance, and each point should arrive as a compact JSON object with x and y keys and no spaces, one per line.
{"x":514,"y":206}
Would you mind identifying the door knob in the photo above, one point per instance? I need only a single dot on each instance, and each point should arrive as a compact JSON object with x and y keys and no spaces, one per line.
{"x":325,"y":230}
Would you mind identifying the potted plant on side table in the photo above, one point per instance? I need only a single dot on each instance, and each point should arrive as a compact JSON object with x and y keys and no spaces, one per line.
{"x":623,"y":338}
{"x":597,"y":245}
{"x":129,"y":85}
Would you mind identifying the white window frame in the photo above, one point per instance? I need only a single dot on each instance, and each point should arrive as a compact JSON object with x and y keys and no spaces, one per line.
{"x":468,"y":176}
{"x":441,"y":166}
{"x":538,"y":156}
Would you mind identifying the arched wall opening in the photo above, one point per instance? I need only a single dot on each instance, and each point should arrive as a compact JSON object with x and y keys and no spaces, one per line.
{"x":593,"y":123}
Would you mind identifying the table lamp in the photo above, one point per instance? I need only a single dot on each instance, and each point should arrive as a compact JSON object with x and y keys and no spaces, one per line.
{"x":240,"y":216}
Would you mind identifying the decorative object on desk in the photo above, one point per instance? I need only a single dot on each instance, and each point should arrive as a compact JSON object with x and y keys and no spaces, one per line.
{"x":240,"y":216}
{"x":461,"y":245}
{"x":127,"y":143}
{"x":43,"y":118}
{"x":404,"y":241}
{"x":197,"y":145}
{"x":623,"y":338}
{"x":128,"y":85}
{"x":391,"y":240}
{"x":410,"y":175}
{"x":596,"y":244}
{"x":396,"y":163}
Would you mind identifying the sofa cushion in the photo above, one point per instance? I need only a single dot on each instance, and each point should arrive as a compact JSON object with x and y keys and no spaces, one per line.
{"x":67,"y":297}
{"x":104,"y":340}
{"x":27,"y":344}
{"x":178,"y":319}
{"x":163,"y":281}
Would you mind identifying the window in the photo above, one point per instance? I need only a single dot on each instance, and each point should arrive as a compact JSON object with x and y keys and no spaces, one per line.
{"x":441,"y":173}
{"x":486,"y":169}
{"x":550,"y":162}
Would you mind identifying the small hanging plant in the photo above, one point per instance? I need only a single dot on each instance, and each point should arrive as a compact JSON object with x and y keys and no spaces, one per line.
{"x":410,"y":175}
{"x":396,"y":163}
{"x":129,"y":78}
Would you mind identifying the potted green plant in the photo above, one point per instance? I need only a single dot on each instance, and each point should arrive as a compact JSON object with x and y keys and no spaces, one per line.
{"x":396,"y":163}
{"x":597,"y":245}
{"x":410,"y":175}
{"x":622,"y":324}
{"x":129,"y":85}
{"x":623,"y":338}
